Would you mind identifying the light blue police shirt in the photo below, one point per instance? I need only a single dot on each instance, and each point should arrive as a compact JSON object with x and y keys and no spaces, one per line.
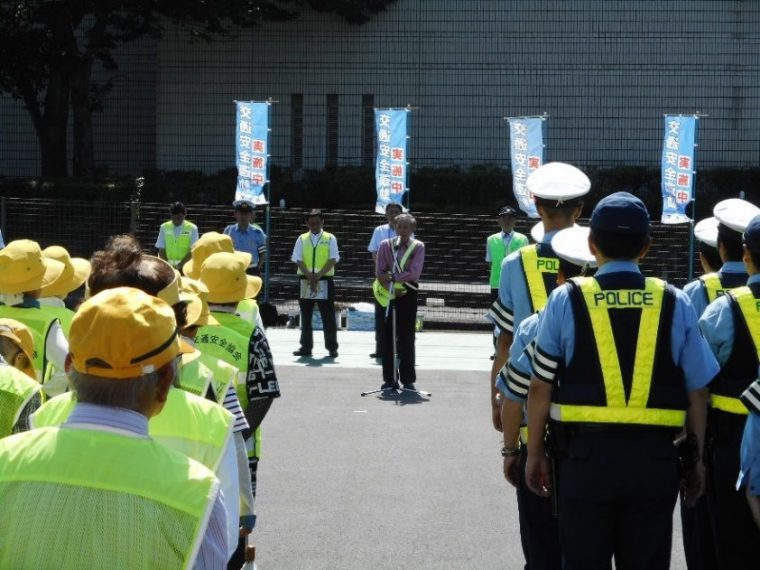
{"x":555,"y":341}
{"x":514,"y":379}
{"x":717,"y":324}
{"x":696,"y":289}
{"x":252,"y":240}
{"x":513,"y":305}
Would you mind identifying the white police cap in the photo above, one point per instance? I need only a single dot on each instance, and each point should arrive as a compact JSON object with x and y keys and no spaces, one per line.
{"x":706,"y":231}
{"x":537,"y":232}
{"x":558,"y":181}
{"x":571,"y":244}
{"x":735,"y":213}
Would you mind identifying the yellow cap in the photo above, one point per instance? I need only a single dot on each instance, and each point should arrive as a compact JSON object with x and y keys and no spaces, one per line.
{"x":199,"y":291}
{"x":207,"y":245}
{"x":123,"y":333}
{"x":224,"y":275}
{"x":75,"y":272}
{"x":21,"y":336}
{"x":23,"y":268}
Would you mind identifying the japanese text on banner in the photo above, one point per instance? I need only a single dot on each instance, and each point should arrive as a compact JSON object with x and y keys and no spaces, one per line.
{"x":251,"y":151}
{"x":526,"y":139}
{"x":678,"y":167}
{"x":391,"y":166}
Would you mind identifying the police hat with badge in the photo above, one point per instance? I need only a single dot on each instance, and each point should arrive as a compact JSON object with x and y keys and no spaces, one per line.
{"x":558,"y":185}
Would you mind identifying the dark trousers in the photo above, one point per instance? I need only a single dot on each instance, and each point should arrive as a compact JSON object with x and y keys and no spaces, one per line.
{"x":405,"y":308}
{"x":539,"y":531}
{"x":379,"y":328}
{"x":736,"y":535}
{"x":698,"y":543}
{"x":617,"y":490}
{"x":327,"y":311}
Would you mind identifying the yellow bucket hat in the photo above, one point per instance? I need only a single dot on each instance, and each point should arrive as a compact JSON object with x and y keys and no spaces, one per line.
{"x":21,"y":336}
{"x":123,"y":333}
{"x":224,"y":275}
{"x":196,"y":289}
{"x":23,"y":268}
{"x":75,"y":272}
{"x":207,"y":245}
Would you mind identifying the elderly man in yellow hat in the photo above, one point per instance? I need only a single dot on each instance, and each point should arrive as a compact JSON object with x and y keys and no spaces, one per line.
{"x":19,"y":389}
{"x":135,"y":503}
{"x":76,"y":270}
{"x":24,"y":273}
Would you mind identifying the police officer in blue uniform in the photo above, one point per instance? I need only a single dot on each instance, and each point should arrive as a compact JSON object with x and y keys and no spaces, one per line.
{"x":620,"y":367}
{"x":731,"y":325}
{"x":538,"y":526}
{"x":530,"y":274}
{"x":750,"y":451}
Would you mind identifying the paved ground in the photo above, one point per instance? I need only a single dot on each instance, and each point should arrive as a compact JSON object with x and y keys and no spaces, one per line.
{"x":368,"y":483}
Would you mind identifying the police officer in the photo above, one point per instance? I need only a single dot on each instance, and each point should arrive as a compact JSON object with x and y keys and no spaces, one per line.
{"x":728,"y":242}
{"x":529,"y":274}
{"x":706,"y":234}
{"x":108,"y":493}
{"x":620,"y":367}
{"x":750,"y":450}
{"x":248,"y":236}
{"x":316,"y":253}
{"x":731,"y":325}
{"x":176,"y":237}
{"x":538,"y":527}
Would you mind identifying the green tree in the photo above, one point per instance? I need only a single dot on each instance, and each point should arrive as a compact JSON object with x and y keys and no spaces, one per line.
{"x":48,"y":49}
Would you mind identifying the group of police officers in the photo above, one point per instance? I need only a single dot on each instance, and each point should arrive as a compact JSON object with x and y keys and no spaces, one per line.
{"x":614,"y":390}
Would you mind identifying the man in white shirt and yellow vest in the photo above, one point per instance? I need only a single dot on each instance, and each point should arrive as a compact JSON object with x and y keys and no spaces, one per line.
{"x":500,"y":245}
{"x":176,"y":237}
{"x":134,"y":503}
{"x":315,"y":254}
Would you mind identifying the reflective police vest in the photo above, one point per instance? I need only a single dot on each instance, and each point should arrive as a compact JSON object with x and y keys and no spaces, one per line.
{"x":189,"y":424}
{"x":315,"y":258}
{"x":16,"y":390}
{"x":497,"y":251}
{"x":593,"y":387}
{"x":740,"y":370}
{"x":540,"y":266}
{"x":39,"y":321}
{"x":110,"y":501}
{"x":716,"y":284}
{"x":177,"y":248}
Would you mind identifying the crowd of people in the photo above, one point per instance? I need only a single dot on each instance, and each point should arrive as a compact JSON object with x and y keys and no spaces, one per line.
{"x":615,"y":391}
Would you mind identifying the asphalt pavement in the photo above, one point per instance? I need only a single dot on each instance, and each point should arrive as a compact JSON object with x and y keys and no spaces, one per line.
{"x":401,"y":482}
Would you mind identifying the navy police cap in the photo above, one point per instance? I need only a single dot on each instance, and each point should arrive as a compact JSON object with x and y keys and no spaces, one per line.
{"x":622,"y":213}
{"x":752,"y":234}
{"x":507,"y":211}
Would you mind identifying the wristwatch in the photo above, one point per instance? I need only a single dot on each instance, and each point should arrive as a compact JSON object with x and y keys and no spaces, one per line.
{"x":510,"y":450}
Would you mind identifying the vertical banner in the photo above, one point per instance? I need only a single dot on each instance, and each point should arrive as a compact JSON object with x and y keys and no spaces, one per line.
{"x":391,"y":165}
{"x":526,"y":138}
{"x":251,"y":151}
{"x":678,"y":167}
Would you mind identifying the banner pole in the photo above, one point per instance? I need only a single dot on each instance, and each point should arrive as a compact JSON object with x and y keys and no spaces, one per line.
{"x":692,"y":244}
{"x":268,"y":223}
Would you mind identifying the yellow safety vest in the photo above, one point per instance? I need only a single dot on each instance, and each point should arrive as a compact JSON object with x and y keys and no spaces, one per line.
{"x":725,"y":394}
{"x":177,"y":247}
{"x":103,"y":500}
{"x":194,"y":376}
{"x":616,"y":410}
{"x":497,"y":251}
{"x":534,"y":268}
{"x":713,"y":287}
{"x":248,"y":310}
{"x":39,"y":322}
{"x":189,"y":424}
{"x":16,"y":390}
{"x":315,"y":258}
{"x":223,"y":375}
{"x":382,"y":295}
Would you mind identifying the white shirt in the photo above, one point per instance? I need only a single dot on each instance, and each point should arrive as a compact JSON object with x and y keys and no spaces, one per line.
{"x":380,"y":234}
{"x":298,"y":249}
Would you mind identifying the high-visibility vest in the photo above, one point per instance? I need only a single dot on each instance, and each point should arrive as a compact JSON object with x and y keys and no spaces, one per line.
{"x":228,"y":345}
{"x":497,"y":251}
{"x":592,"y":389}
{"x":540,"y":273}
{"x":315,"y":258}
{"x":105,"y":500}
{"x":740,"y":370}
{"x":16,"y":390}
{"x":382,"y":295}
{"x":63,"y":315}
{"x":194,"y":376}
{"x":245,"y":330}
{"x":39,"y":321}
{"x":223,"y":375}
{"x":177,"y":248}
{"x":248,"y":309}
{"x":189,"y":424}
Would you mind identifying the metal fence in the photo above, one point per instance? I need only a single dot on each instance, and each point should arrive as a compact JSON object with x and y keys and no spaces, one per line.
{"x":454,"y":291}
